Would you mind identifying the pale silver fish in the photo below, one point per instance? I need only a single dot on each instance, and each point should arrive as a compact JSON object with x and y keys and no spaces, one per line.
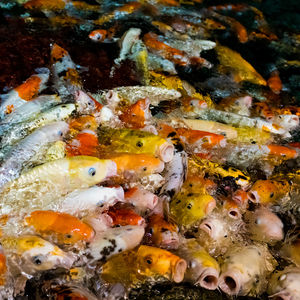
{"x":29,"y":147}
{"x":29,"y":110}
{"x":19,"y":131}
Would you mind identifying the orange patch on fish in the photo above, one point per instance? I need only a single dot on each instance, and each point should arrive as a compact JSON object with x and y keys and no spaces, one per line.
{"x":30,"y":88}
{"x":137,"y":163}
{"x":98,"y":35}
{"x":282,"y":151}
{"x":130,"y":7}
{"x":152,"y":42}
{"x":73,"y":76}
{"x":207,"y":139}
{"x":274,"y":82}
{"x":67,"y":228}
{"x":134,"y":115}
{"x":85,"y":143}
{"x":3,"y":268}
{"x":125,"y":216}
{"x":9,"y":109}
{"x":57,"y":53}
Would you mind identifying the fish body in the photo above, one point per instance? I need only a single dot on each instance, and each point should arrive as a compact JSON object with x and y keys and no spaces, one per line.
{"x":162,"y":233}
{"x":61,"y":227}
{"x":24,"y":92}
{"x":264,"y":225}
{"x":3,"y":267}
{"x":125,"y":216}
{"x":114,"y":241}
{"x":144,"y":263}
{"x":29,"y":147}
{"x":245,"y":269}
{"x":134,"y":141}
{"x":285,"y":284}
{"x":66,"y":76}
{"x":269,"y":192}
{"x":36,"y":254}
{"x":19,"y":131}
{"x":202,"y":269}
{"x":83,"y":201}
{"x":240,"y":68}
{"x":31,"y":190}
{"x":29,"y":110}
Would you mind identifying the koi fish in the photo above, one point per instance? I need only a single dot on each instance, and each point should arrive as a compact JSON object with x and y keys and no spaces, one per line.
{"x":245,"y":269}
{"x":274,"y":82}
{"x":29,"y":147}
{"x":27,"y":91}
{"x":285,"y":284}
{"x":144,"y":263}
{"x":134,"y":141}
{"x":238,"y":105}
{"x":202,"y":269}
{"x":125,"y":216}
{"x":36,"y":254}
{"x":264,"y":225}
{"x":141,"y":198}
{"x":19,"y":131}
{"x":60,"y":177}
{"x":268,"y":192}
{"x":84,"y":143}
{"x":115,"y":240}
{"x":61,"y":227}
{"x":66,"y":76}
{"x":103,"y":35}
{"x":86,"y":104}
{"x":162,"y":233}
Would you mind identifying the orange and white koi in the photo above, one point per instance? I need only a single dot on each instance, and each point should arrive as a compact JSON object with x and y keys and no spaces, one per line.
{"x":125,"y":216}
{"x":27,"y":91}
{"x":103,"y":35}
{"x":61,"y":227}
{"x":84,"y":143}
{"x":66,"y":76}
{"x":162,"y":233}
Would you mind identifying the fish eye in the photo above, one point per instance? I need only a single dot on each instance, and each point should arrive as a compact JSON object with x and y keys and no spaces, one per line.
{"x":148,"y":260}
{"x":37,"y":260}
{"x":92,"y":171}
{"x":139,"y":144}
{"x":68,"y":236}
{"x":60,"y":133}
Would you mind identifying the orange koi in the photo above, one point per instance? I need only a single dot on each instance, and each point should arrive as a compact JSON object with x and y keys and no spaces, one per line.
{"x":282,"y":151}
{"x":190,"y":103}
{"x":274,"y":82}
{"x":65,"y":228}
{"x":269,"y":191}
{"x":201,"y":138}
{"x":162,"y":233}
{"x":103,"y":35}
{"x":83,"y":122}
{"x":232,"y":209}
{"x":153,"y":44}
{"x":139,"y":164}
{"x":135,"y":115}
{"x":125,"y":216}
{"x":85,"y":143}
{"x":241,"y":198}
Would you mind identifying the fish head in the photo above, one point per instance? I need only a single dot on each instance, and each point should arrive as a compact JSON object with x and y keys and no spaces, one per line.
{"x":41,"y":255}
{"x":98,"y":35}
{"x":86,"y":104}
{"x":87,"y":170}
{"x":155,"y":261}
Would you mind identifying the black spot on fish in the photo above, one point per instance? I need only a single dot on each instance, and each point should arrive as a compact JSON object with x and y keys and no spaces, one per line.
{"x":271,"y":195}
{"x":62,"y":73}
{"x":178,"y":201}
{"x":242,"y":177}
{"x":120,"y":250}
{"x":171,"y":134}
{"x":190,"y":194}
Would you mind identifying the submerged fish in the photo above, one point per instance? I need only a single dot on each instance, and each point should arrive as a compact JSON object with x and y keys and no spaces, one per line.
{"x":31,"y":191}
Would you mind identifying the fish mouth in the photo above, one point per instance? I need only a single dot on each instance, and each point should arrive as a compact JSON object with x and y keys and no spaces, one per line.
{"x":223,"y":143}
{"x":111,"y":169}
{"x":253,"y":196}
{"x":166,"y":152}
{"x":179,"y":270}
{"x":230,"y":282}
{"x":209,"y":279}
{"x":210,"y":207}
{"x":170,"y":240}
{"x":234,"y":213}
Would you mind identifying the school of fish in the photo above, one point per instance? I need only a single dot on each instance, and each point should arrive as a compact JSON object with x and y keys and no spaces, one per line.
{"x":162,"y":181}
